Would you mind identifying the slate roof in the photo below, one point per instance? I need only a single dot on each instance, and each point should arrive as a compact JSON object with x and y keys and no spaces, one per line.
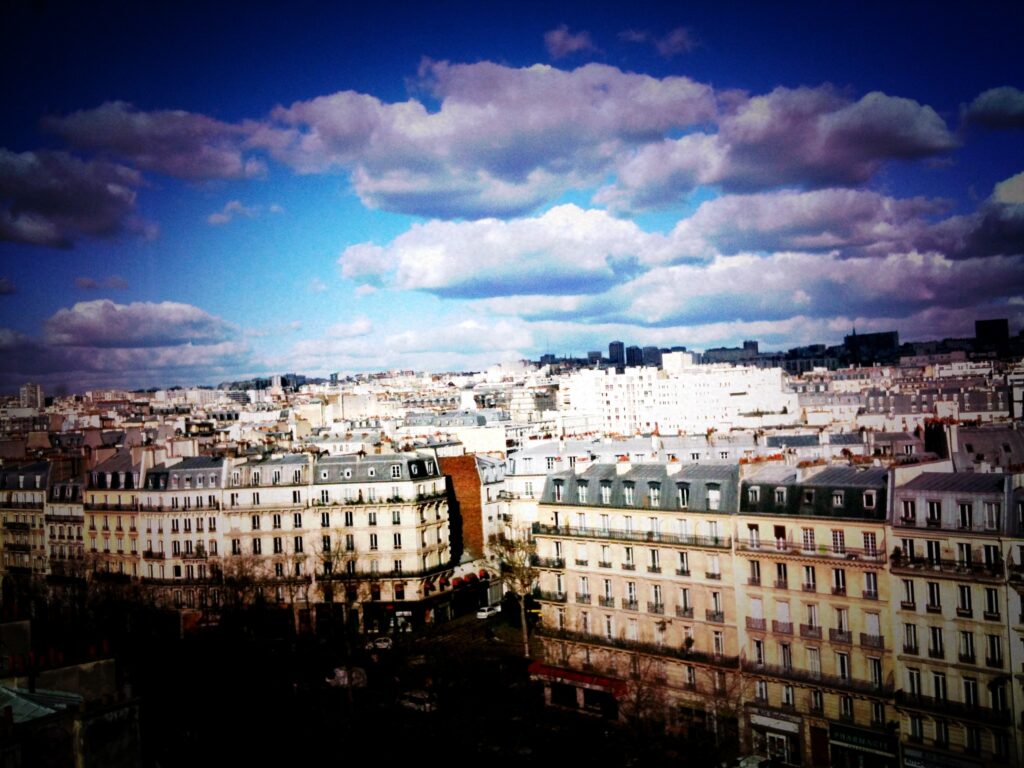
{"x":957,"y":482}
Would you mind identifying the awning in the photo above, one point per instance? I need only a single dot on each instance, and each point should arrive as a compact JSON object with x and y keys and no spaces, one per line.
{"x":541,"y":671}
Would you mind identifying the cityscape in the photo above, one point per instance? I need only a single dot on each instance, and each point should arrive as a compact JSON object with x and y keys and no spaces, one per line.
{"x":627,"y":384}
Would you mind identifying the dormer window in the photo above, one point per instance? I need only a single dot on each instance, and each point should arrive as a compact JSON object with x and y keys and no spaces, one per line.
{"x":606,"y":492}
{"x":869,"y":499}
{"x":654,"y":491}
{"x":780,"y":495}
{"x":754,"y":495}
{"x":414,"y":469}
{"x":557,"y":487}
{"x":371,"y":472}
{"x":396,"y":471}
{"x":255,"y":478}
{"x":683,"y":496}
{"x":837,"y":498}
{"x":348,"y":474}
{"x":627,"y":494}
{"x":581,"y":493}
{"x":430,"y":467}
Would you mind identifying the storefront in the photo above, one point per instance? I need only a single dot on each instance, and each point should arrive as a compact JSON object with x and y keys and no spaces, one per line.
{"x":853,"y":747}
{"x":776,"y":737}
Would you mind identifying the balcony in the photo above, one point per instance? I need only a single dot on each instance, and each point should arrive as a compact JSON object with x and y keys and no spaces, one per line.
{"x":630,"y":605}
{"x":604,"y":564}
{"x":628,"y":566}
{"x":684,"y":612}
{"x":932,"y":608}
{"x":956,"y":709}
{"x":583,"y":598}
{"x":654,"y":569}
{"x":549,"y":562}
{"x":908,"y":605}
{"x":810,"y":631}
{"x":782,"y":584}
{"x":872,"y":641}
{"x":869,"y":594}
{"x":966,"y":658}
{"x":809,"y":587}
{"x":837,"y":590}
{"x":10,"y":525}
{"x":841,"y":636}
{"x":964,"y":613}
{"x":758,"y":625}
{"x":710,"y":542}
{"x":754,"y":582}
{"x":782,"y":627}
{"x":658,"y":608}
{"x":582,"y":563}
{"x":797,"y":549}
{"x":994,"y":663}
{"x":936,"y":653}
{"x":699,"y":657}
{"x":933,"y":522}
{"x":991,"y":615}
{"x":606,"y":602}
{"x":17,"y":547}
{"x":911,"y":649}
{"x":717,"y":617}
{"x":818,"y":678}
{"x":713,"y":576}
{"x":551,"y":597}
{"x":682,"y":571}
{"x":944,"y":568}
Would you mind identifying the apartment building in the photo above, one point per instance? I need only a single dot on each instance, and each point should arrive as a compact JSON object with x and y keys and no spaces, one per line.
{"x":955,"y":692}
{"x":22,"y":500}
{"x":65,"y":526}
{"x":636,"y":584}
{"x":111,"y":515}
{"x":813,"y":609}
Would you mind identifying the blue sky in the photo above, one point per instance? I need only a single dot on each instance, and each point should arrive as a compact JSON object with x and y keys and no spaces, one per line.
{"x":189,"y":195}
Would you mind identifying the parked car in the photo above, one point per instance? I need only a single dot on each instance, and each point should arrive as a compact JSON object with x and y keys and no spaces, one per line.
{"x":380,"y":644}
{"x":487,"y":611}
{"x":418,"y":701}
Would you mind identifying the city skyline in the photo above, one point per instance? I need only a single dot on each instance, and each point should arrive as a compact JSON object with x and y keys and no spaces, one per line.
{"x":189,"y":196}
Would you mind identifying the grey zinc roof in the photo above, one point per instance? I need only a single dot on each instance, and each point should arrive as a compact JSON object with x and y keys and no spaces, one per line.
{"x":792,"y":441}
{"x":119,"y":462}
{"x":848,"y":477}
{"x":957,"y":482}
{"x":774,"y":474}
{"x":360,"y":466}
{"x":846,"y":438}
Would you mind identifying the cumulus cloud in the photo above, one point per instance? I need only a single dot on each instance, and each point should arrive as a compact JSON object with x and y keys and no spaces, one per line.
{"x":360,"y":326}
{"x":843,"y":220}
{"x":7,"y":286}
{"x":804,"y":137}
{"x":560,"y":42}
{"x":173,"y":142}
{"x":997,"y":108}
{"x":104,"y":324}
{"x":565,"y":251}
{"x":53,"y":198}
{"x":502,"y":141}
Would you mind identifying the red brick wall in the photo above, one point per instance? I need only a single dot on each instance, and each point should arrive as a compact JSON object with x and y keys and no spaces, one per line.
{"x":466,"y":486}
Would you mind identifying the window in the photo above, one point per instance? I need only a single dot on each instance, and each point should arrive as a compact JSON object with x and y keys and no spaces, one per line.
{"x":936,"y":647}
{"x":606,"y":493}
{"x":869,"y":499}
{"x":278,"y":546}
{"x":348,"y":517}
{"x":934,"y":597}
{"x":991,"y":604}
{"x":397,"y":538}
{"x":843,"y":665}
{"x":963,"y":600}
{"x":373,"y":541}
{"x":817,"y":700}
{"x":909,"y":511}
{"x":808,"y":539}
{"x":255,"y":523}
{"x":655,"y":494}
{"x":846,"y":707}
{"x":870,"y":544}
{"x":277,"y":521}
{"x":838,"y":581}
{"x":683,"y":496}
{"x":993,"y":651}
{"x":325,"y":519}
{"x":780,"y":495}
{"x":236,"y":546}
{"x":627,"y":494}
{"x":581,"y":493}
{"x":297,"y":543}
{"x":257,"y":547}
{"x":908,"y":594}
{"x":761,"y":690}
{"x":297,"y":520}
{"x":371,"y":518}
{"x":396,"y":517}
{"x":714,"y":497}
{"x":350,"y":542}
{"x":810,"y":578}
{"x":991,"y":515}
{"x":396,"y":471}
{"x":838,"y":542}
{"x":965,"y":515}
{"x":871,"y":585}
{"x":753,"y":495}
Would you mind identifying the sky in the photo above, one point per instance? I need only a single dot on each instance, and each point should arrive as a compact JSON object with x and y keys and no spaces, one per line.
{"x":193,"y":193}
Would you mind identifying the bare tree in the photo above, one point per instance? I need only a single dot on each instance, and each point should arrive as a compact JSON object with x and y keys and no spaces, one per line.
{"x":516,"y":556}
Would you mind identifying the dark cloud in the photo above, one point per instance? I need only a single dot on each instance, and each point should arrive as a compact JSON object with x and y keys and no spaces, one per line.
{"x":997,"y":108}
{"x":173,"y":142}
{"x":86,"y":284}
{"x":104,"y":324}
{"x":53,"y":198}
{"x":679,"y":40}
